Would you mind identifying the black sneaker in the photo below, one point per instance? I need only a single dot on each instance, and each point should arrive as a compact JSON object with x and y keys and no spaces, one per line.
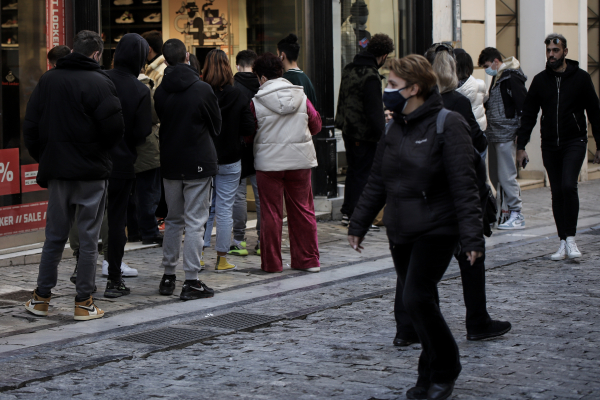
{"x":193,"y":290}
{"x":493,"y":329}
{"x":154,"y":240}
{"x":116,"y":289}
{"x":167,"y":285}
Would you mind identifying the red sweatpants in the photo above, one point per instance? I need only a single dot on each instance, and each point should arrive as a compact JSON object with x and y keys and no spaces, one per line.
{"x":302,"y":223}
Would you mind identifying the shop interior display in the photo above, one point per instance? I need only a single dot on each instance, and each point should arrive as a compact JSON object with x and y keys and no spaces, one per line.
{"x":11,"y":119}
{"x":355,"y":36}
{"x":202,"y":25}
{"x":127,"y":16}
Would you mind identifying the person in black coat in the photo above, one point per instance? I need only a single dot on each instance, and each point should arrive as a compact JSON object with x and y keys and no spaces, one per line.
{"x":563,"y":91}
{"x":72,"y":122}
{"x":238,"y":121}
{"x":190,"y":120}
{"x":129,"y":59}
{"x":428,"y":181}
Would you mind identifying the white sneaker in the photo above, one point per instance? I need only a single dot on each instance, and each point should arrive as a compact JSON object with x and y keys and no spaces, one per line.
{"x":561,"y":253}
{"x":572,"y":250}
{"x":126,"y":270}
{"x":123,"y":2}
{"x":516,"y":221}
{"x":154,"y":17}
{"x":11,"y":23}
{"x":126,"y":18}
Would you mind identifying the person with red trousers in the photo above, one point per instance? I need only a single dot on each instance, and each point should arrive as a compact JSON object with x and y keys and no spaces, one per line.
{"x":283,"y":157}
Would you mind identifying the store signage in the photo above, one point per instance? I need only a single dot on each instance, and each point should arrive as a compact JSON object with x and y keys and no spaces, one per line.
{"x":9,"y":172}
{"x":28,"y":178}
{"x":23,"y":218}
{"x":55,"y":24}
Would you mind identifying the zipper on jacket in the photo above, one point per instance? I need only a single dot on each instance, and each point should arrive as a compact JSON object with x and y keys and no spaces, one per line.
{"x":577,"y":123}
{"x":557,"y":105}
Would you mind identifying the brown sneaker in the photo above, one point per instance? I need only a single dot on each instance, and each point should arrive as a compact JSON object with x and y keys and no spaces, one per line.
{"x":38,"y":305}
{"x":85,"y":310}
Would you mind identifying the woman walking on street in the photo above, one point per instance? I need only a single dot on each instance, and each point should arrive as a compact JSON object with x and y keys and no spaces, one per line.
{"x":283,"y":157}
{"x":237,"y":122}
{"x":429,"y":181}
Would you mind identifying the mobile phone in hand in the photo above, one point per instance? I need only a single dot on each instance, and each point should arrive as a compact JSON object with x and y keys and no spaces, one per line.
{"x":524,"y":164}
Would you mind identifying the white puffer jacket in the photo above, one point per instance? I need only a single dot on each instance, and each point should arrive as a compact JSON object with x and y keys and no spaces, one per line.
{"x":475,"y":90}
{"x":283,"y":141}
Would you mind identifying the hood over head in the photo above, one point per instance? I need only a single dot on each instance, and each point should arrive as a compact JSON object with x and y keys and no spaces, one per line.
{"x":249,"y":80}
{"x":179,"y":77}
{"x":280,"y":96}
{"x":131,"y":53}
{"x":77,"y":61}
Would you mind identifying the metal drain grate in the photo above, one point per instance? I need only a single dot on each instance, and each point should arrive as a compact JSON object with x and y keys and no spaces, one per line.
{"x":168,"y":336}
{"x":238,"y":321}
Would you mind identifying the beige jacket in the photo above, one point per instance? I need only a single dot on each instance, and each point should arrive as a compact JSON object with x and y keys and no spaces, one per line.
{"x":156,"y":70}
{"x":283,"y":141}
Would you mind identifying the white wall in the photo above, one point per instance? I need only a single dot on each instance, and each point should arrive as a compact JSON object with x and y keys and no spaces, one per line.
{"x":442,"y":21}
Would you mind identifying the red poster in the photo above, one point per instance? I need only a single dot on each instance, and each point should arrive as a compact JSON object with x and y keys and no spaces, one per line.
{"x":9,"y":172}
{"x":28,"y":175}
{"x":55,"y":24}
{"x":23,"y":218}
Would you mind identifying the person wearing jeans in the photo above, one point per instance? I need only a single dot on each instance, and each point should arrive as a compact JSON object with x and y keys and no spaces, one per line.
{"x":240,"y":218}
{"x":237,"y":123}
{"x":563,"y":92}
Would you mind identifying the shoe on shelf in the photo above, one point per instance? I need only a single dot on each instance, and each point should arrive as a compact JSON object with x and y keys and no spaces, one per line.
{"x":374,"y":228}
{"x":223,"y":265}
{"x":134,"y":238}
{"x":257,"y":249}
{"x":123,"y":2}
{"x":11,"y":6}
{"x":561,"y":254}
{"x":238,"y":249}
{"x":417,"y":392}
{"x":193,"y":290}
{"x":118,"y":38}
{"x":572,"y":250}
{"x":11,"y":23}
{"x":116,"y":289}
{"x":126,"y":270}
{"x":313,"y":269}
{"x":345,"y":220}
{"x":126,"y":18}
{"x":150,"y":1}
{"x":440,"y":391}
{"x":403,"y":342}
{"x":38,"y":305}
{"x":154,"y":17}
{"x":493,"y":329}
{"x":167,"y":285}
{"x":154,"y":240}
{"x":86,"y":310}
{"x":515,"y":221}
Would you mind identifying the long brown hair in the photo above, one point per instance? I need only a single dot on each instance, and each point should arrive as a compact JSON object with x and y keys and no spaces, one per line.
{"x":217,"y":71}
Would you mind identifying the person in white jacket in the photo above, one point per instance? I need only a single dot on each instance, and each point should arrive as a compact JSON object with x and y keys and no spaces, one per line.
{"x":472,"y":88}
{"x":283,"y":157}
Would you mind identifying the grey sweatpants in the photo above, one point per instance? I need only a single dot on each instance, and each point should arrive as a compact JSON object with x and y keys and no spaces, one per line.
{"x":503,"y":170}
{"x":74,"y":237}
{"x":86,"y":201}
{"x":240,"y":209}
{"x":188,"y":202}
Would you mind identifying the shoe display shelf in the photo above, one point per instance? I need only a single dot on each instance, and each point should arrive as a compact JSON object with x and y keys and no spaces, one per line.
{"x":9,"y":23}
{"x":120,"y":17}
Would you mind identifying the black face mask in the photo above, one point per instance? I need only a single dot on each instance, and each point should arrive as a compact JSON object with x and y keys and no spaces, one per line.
{"x":556,"y":64}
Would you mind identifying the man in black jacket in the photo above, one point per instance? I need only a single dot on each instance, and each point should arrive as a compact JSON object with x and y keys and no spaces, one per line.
{"x":246,"y":81}
{"x":563,"y":91}
{"x":360,"y":116}
{"x":130,"y":57}
{"x":189,"y":120}
{"x":73,"y":119}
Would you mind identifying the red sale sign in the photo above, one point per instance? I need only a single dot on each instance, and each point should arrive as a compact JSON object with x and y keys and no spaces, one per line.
{"x":55,"y":24}
{"x":9,"y":172}
{"x":28,"y":176}
{"x":23,"y":218}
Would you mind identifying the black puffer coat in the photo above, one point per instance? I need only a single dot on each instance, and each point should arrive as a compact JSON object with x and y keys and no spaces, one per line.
{"x":455,"y":101}
{"x":427,"y":180}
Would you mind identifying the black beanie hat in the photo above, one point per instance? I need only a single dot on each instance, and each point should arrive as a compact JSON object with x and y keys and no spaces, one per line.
{"x":359,"y":9}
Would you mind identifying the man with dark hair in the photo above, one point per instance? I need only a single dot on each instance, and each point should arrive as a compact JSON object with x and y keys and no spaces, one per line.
{"x":57,"y":52}
{"x":73,"y":119}
{"x":564,"y":92}
{"x":189,"y":118}
{"x":503,"y":113}
{"x":288,"y":50}
{"x":246,"y":81}
{"x":156,"y":62}
{"x":360,"y":117}
{"x":130,"y":57}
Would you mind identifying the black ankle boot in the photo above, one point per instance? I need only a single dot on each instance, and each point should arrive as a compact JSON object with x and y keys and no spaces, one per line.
{"x":440,"y":391}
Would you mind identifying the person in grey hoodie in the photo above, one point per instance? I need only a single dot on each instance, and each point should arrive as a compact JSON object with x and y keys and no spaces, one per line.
{"x":503,"y":112}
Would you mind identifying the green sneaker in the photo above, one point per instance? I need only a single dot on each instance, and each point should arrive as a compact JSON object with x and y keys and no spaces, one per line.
{"x":238,"y":250}
{"x":257,"y":249}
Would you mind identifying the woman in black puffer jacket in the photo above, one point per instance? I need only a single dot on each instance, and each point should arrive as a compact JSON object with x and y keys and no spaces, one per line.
{"x":429,"y":185}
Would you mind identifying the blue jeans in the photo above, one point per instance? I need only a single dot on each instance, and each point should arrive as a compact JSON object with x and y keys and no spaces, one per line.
{"x":146,"y":198}
{"x":226,"y":183}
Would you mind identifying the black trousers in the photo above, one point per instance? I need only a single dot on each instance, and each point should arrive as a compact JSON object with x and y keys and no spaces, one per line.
{"x":473,"y":280}
{"x":563,"y":165}
{"x":360,"y":156}
{"x":119,"y":191}
{"x":419,"y":271}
